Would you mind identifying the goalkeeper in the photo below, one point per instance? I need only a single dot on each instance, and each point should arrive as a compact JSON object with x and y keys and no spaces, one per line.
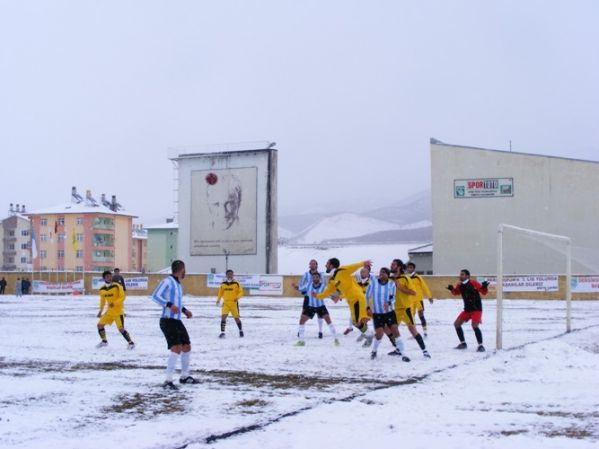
{"x":473,"y":307}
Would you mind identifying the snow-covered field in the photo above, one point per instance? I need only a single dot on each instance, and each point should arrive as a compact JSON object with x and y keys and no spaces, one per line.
{"x":58,"y":391}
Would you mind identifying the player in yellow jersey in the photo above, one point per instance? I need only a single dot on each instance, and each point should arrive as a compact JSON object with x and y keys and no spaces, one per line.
{"x":421,"y":289}
{"x":230,"y":292}
{"x":404,"y":301}
{"x":343,"y":281}
{"x":112,"y":295}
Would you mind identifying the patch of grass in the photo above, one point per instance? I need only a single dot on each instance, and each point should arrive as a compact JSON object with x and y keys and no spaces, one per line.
{"x":573,"y":432}
{"x":148,"y":405}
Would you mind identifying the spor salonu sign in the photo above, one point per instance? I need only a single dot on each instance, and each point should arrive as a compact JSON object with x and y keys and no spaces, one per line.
{"x":483,"y":188}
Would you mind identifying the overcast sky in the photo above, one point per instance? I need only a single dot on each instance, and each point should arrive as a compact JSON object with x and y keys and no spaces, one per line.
{"x":93,"y":93}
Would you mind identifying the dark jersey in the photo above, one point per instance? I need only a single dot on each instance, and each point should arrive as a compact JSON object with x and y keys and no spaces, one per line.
{"x":470,"y":292}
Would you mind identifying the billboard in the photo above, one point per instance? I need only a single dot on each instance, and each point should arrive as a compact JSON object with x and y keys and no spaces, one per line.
{"x":483,"y":188}
{"x":224,"y":212}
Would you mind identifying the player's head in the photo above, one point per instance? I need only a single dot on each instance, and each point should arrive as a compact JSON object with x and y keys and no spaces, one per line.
{"x":364,"y":272}
{"x":117,"y":271}
{"x":229,"y":274}
{"x":384,"y":274}
{"x":410,"y":267}
{"x":316,"y":278}
{"x":397,"y":266}
{"x":332,"y":264}
{"x":313,"y":265}
{"x":107,"y":276}
{"x":178,"y":269}
{"x":464,"y":274}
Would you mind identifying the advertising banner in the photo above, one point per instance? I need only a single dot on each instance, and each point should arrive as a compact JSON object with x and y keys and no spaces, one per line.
{"x":58,"y":287}
{"x":137,"y":283}
{"x":585,"y":284}
{"x":483,"y":188}
{"x":254,"y":284}
{"x":532,"y":283}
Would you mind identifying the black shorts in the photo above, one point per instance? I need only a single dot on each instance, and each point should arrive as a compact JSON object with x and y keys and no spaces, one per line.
{"x":384,"y":319}
{"x":320,"y":311}
{"x":174,"y":331}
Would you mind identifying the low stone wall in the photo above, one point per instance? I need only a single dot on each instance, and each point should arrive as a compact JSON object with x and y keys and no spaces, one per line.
{"x":196,"y":285}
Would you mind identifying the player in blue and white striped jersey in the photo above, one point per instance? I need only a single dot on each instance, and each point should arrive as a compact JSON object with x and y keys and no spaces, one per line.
{"x":169,"y":294}
{"x":380,"y":297}
{"x":315,"y":307}
{"x":303,"y":286}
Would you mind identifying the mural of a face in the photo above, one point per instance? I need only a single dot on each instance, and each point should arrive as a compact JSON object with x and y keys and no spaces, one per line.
{"x":223,"y":196}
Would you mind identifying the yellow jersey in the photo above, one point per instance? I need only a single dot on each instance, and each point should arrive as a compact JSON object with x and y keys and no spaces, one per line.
{"x":230,"y":291}
{"x":403,"y":300}
{"x":345,"y":283}
{"x":115,"y":295}
{"x":420,"y":287}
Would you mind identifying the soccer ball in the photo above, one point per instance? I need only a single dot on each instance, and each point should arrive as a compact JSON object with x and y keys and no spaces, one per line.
{"x":211,"y":178}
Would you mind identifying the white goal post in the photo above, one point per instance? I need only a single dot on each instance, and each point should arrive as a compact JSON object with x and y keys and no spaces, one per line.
{"x":499,"y":285}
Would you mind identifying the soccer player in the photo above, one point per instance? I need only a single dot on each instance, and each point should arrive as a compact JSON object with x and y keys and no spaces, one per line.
{"x":230,"y":291}
{"x":169,"y":295}
{"x":363,"y":279}
{"x":111,"y":294}
{"x":403,"y":303}
{"x":421,"y":289}
{"x":473,"y":307}
{"x":116,"y":277}
{"x":315,"y":307}
{"x":380,"y":296}
{"x":343,"y":281}
{"x":303,"y":286}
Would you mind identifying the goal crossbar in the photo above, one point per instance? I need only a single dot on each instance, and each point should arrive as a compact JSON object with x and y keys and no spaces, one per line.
{"x":562,"y":238}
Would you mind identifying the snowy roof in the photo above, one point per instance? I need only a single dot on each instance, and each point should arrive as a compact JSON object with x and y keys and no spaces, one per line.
{"x":163,"y":226}
{"x":18,"y":215}
{"x":421,"y":249}
{"x":197,"y":150}
{"x":78,"y":208}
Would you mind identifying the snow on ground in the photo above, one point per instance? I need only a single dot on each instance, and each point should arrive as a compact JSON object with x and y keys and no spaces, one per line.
{"x":58,"y":391}
{"x":294,"y":259}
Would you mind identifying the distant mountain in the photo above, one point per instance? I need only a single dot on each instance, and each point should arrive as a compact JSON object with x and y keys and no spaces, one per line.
{"x":405,"y":220}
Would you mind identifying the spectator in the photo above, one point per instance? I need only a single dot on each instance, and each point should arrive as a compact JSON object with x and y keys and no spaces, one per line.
{"x":2,"y":286}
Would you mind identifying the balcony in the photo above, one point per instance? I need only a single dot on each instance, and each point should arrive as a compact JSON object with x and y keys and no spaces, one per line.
{"x":100,"y":223}
{"x":102,"y":258}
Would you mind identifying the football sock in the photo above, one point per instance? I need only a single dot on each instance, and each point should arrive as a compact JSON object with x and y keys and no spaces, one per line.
{"x":332,"y":329}
{"x":375,"y":344}
{"x":420,"y":341}
{"x":302,"y":331}
{"x":223,"y":325}
{"x":399,"y":344}
{"x":170,"y":365}
{"x":238,"y":324}
{"x":320,"y":320}
{"x":185,"y":356}
{"x":423,"y":321}
{"x":391,"y":338}
{"x":460,"y":333}
{"x":479,"y":335}
{"x":102,"y":333}
{"x":126,"y":336}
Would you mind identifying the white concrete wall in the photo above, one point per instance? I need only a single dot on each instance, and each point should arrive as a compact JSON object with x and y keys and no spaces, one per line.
{"x":554,"y":195}
{"x":265,"y":259}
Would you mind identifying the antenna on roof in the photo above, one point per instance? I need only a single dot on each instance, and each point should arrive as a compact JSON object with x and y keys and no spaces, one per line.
{"x":114,"y":205}
{"x":89,"y":199}
{"x":75,"y":197}
{"x":105,"y":202}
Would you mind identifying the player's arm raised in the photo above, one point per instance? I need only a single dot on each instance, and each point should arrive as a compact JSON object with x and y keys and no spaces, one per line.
{"x":330,"y":289}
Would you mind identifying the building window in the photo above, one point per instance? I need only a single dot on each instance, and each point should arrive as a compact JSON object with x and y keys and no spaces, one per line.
{"x":43,"y":268}
{"x":60,"y":268}
{"x":60,"y":221}
{"x":61,"y":237}
{"x":79,"y":268}
{"x":79,"y":253}
{"x":11,"y":233}
{"x":43,"y":254}
{"x":25,"y":232}
{"x":23,"y":259}
{"x":61,"y":253}
{"x":79,"y":237}
{"x":24,"y":246}
{"x":43,"y":237}
{"x":11,"y":246}
{"x":44,"y":222}
{"x":79,"y":220}
{"x":11,"y":260}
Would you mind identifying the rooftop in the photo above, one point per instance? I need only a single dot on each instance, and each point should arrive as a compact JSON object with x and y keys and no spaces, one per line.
{"x":184,"y":152}
{"x":428,"y":248}
{"x":163,"y":226}
{"x":78,"y":208}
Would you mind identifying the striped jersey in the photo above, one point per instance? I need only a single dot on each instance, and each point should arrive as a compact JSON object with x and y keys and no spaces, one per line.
{"x":380,"y":295}
{"x":306,"y":280}
{"x":169,"y":290}
{"x":315,"y":302}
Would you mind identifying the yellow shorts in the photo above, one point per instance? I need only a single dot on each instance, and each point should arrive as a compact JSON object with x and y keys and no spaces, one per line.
{"x":230,"y":308}
{"x":405,"y":316}
{"x":418,"y":305}
{"x":357,"y":309}
{"x":108,"y":319}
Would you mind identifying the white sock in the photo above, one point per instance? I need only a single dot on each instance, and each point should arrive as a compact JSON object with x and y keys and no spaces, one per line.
{"x":399,"y":344}
{"x":332,"y":329}
{"x":351,"y":324}
{"x":375,"y":344}
{"x":170,"y":365}
{"x":302,"y":331}
{"x":185,"y":363}
{"x":320,"y":320}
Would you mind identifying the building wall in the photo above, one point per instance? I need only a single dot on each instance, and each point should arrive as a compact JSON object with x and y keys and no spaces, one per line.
{"x":139,"y":255}
{"x":550,"y":194}
{"x":423,"y":261}
{"x":265,"y":258}
{"x":16,"y":247}
{"x":161,"y":249}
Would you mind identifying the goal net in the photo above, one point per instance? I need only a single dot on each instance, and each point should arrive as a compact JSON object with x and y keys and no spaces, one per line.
{"x":532,"y":252}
